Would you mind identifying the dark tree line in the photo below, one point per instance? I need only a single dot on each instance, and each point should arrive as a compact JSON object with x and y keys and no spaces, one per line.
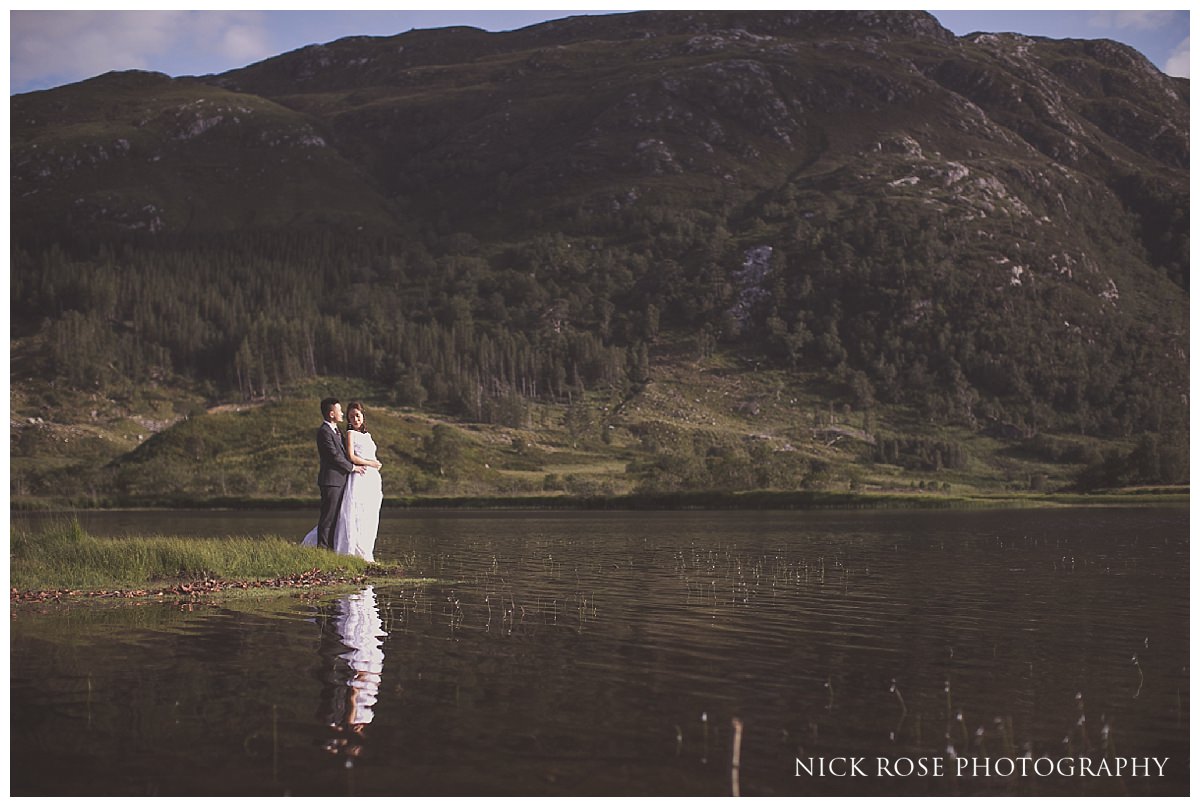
{"x":243,"y":320}
{"x":892,"y":301}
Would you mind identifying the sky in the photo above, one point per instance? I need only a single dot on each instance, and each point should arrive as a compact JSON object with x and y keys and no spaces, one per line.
{"x":50,"y":48}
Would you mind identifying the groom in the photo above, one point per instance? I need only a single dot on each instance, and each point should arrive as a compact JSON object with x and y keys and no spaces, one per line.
{"x":335,"y":469}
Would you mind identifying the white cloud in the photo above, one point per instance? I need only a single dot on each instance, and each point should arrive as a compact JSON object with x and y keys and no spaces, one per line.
{"x":49,"y":47}
{"x":1179,"y":63}
{"x":242,"y":43}
{"x":1136,"y":20}
{"x":84,"y":43}
{"x":236,"y":35}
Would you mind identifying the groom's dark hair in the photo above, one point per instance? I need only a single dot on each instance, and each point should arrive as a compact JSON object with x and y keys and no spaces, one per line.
{"x":327,"y":406}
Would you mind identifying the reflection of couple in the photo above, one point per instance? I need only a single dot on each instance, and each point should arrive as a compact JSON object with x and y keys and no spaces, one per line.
{"x":351,"y":487}
{"x":352,"y":685}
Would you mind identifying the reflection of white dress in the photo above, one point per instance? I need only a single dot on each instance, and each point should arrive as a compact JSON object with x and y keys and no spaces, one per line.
{"x":358,"y":520}
{"x":358,"y":624}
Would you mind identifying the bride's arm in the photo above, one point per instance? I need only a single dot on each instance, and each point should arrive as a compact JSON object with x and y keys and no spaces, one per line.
{"x":357,"y":460}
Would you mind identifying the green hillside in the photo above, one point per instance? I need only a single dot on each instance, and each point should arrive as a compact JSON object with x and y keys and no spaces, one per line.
{"x":900,"y":256}
{"x":700,"y":426}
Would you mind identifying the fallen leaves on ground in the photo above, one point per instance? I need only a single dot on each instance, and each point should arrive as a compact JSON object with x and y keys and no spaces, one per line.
{"x":313,"y":578}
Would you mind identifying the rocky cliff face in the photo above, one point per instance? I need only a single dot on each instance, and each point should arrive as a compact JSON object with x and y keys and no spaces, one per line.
{"x":739,"y":98}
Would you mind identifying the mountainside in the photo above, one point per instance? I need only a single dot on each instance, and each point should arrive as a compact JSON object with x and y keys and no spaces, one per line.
{"x":989,"y":231}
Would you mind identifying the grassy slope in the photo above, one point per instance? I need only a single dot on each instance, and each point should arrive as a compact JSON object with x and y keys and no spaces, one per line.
{"x":161,"y":445}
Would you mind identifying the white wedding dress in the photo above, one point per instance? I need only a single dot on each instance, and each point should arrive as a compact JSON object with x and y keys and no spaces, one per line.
{"x":358,"y":520}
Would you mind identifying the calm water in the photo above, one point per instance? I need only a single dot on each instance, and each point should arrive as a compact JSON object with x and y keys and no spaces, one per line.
{"x":588,"y":654}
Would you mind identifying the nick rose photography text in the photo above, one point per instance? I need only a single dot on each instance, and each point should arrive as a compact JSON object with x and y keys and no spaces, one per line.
{"x":980,"y":766}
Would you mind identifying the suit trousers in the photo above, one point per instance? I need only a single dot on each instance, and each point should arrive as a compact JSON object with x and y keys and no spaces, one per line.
{"x":331,"y":505}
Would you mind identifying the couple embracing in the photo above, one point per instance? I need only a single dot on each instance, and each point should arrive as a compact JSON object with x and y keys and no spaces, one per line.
{"x":351,"y":487}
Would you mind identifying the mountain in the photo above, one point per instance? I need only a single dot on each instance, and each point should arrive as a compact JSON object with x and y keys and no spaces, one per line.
{"x":989,"y":230}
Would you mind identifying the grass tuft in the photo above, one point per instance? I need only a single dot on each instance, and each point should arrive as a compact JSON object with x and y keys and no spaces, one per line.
{"x":63,"y":556}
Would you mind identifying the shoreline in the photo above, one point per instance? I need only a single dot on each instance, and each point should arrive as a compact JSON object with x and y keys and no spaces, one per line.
{"x":697,"y":500}
{"x":191,"y":592}
{"x":62,"y":562}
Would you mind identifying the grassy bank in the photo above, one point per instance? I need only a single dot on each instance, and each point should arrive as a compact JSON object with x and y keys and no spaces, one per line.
{"x":63,"y":557}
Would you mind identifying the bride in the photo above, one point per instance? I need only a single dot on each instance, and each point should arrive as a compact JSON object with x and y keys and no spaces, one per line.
{"x":358,"y":520}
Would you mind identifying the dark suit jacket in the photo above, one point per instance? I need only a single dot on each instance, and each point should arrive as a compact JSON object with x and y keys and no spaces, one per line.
{"x":335,"y":465}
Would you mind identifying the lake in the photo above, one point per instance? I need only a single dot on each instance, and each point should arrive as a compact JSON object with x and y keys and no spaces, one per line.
{"x":619,"y":653}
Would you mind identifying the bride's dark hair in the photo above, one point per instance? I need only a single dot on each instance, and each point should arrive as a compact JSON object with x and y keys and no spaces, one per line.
{"x":350,"y":408}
